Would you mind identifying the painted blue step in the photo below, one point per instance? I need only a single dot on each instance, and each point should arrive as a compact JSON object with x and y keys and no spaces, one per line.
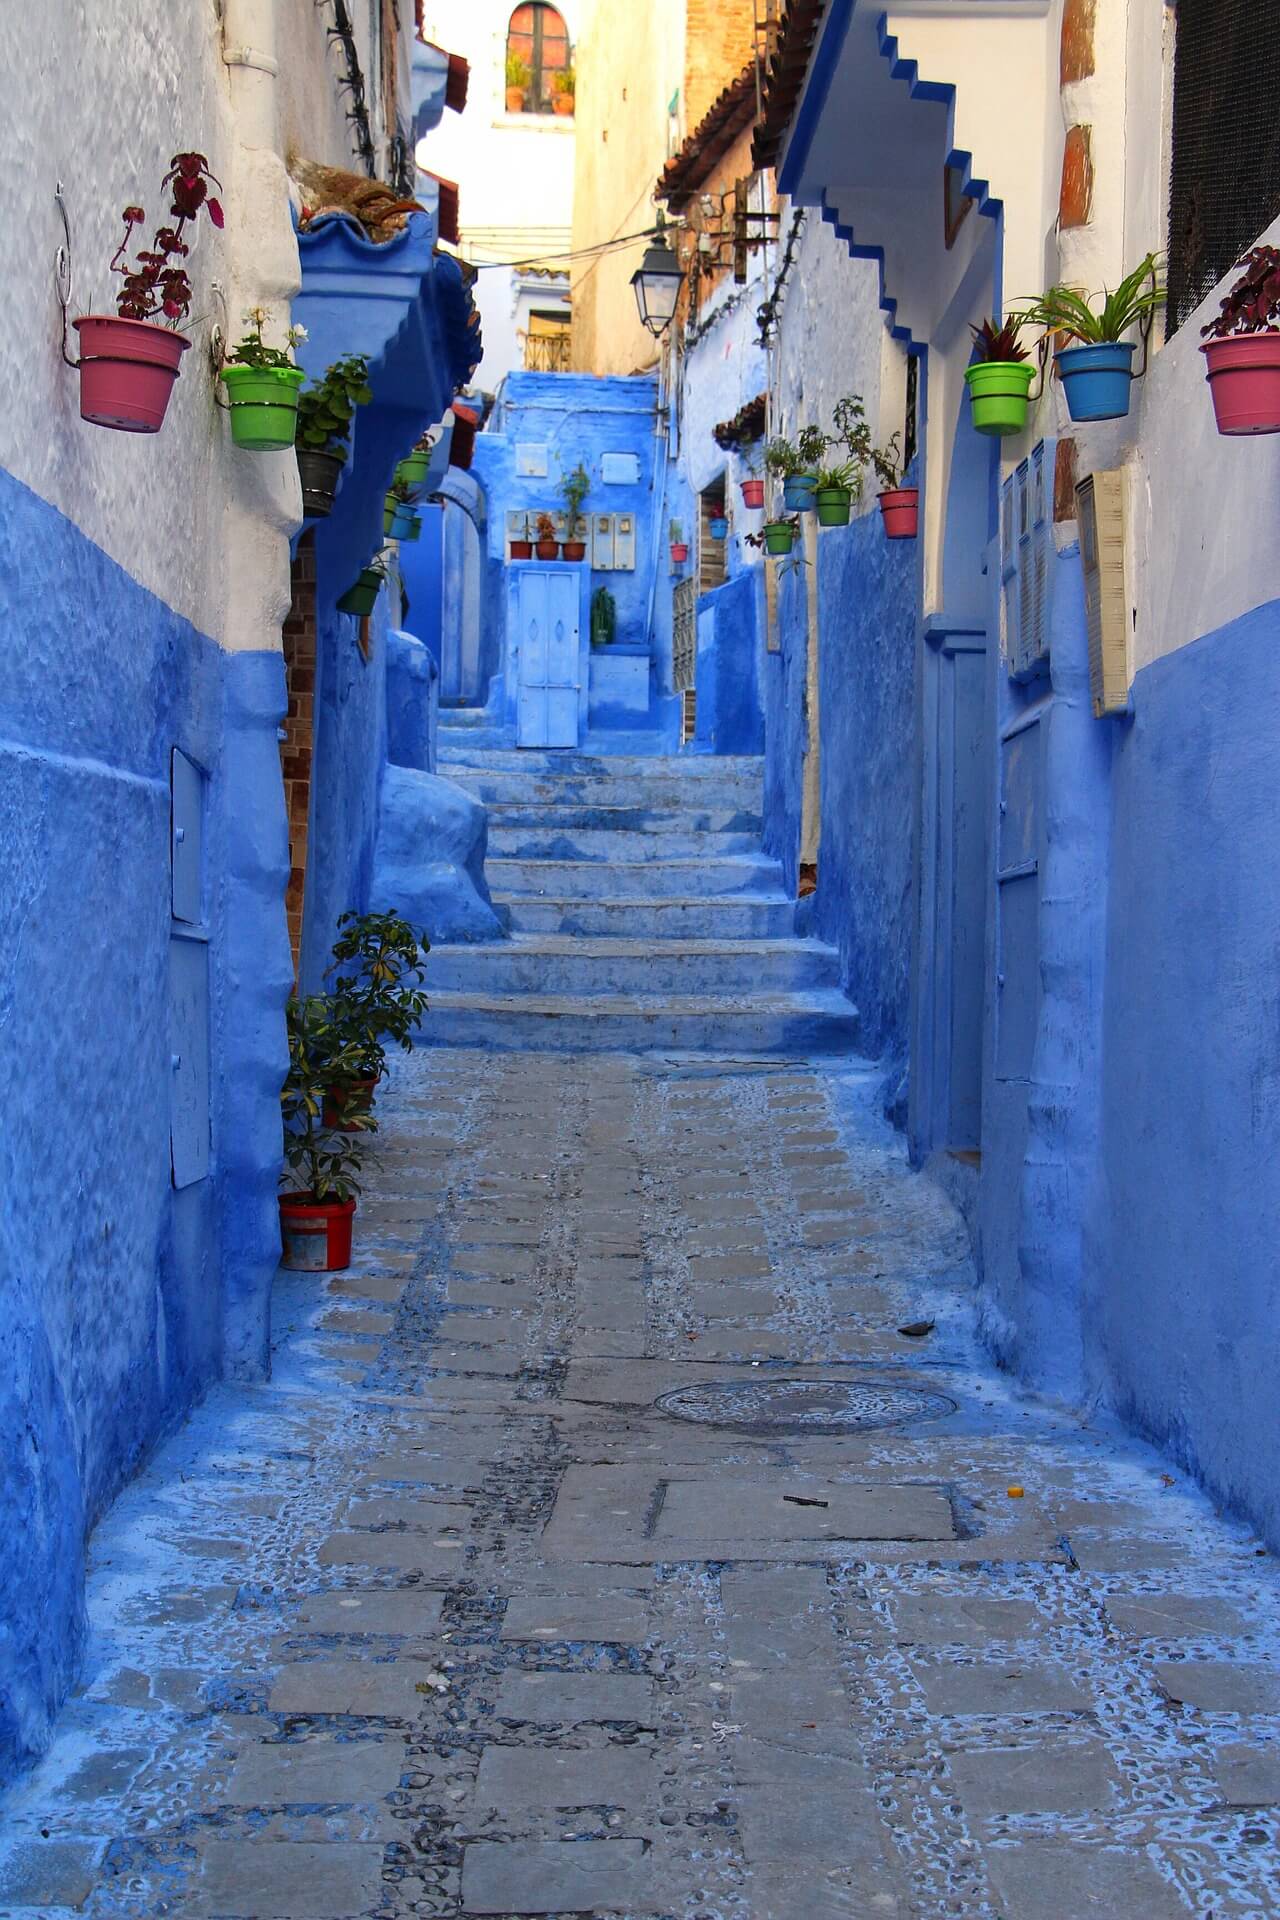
{"x":544,"y":816}
{"x":753,"y":1023}
{"x":733,"y":917}
{"x":552,"y":963}
{"x":639,"y":880}
{"x":696,"y":770}
{"x":602,"y":790}
{"x":597,"y":844}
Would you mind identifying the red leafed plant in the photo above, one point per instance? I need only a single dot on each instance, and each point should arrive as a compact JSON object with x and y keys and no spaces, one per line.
{"x":992,"y":343}
{"x":158,"y":284}
{"x":1253,"y":304}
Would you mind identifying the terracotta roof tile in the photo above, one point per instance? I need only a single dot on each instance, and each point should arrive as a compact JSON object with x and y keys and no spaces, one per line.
{"x":785,"y":75}
{"x":724,"y":121}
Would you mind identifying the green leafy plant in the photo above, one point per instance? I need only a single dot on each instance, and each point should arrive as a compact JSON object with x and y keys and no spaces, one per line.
{"x":675,"y":533}
{"x":574,"y":487}
{"x":518,"y":74}
{"x":604,"y":617}
{"x":1068,"y":309}
{"x":847,"y":477}
{"x":810,"y":447}
{"x":888,"y":462}
{"x":566,"y":81}
{"x":327,"y":409}
{"x":781,"y":459}
{"x":325,"y":1060}
{"x":253,"y":351}
{"x":401,"y":491}
{"x":377,"y":968}
{"x":999,"y":343}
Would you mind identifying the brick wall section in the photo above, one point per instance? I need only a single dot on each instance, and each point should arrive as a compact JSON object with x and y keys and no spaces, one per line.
{"x":1075,"y":202}
{"x":1076,"y":61}
{"x":1064,"y":481}
{"x":299,"y":636}
{"x":719,"y":41}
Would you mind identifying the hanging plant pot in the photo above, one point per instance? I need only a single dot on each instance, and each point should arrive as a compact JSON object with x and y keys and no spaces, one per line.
{"x":339,"y":1099}
{"x":799,"y":492}
{"x":548,"y":549}
{"x":522,"y":549}
{"x":1244,"y":379}
{"x":779,"y":537}
{"x":397,"y":518}
{"x":463,"y":443}
{"x":413,"y":468}
{"x":718,"y":528}
{"x":414,"y":530}
{"x":901,"y":509}
{"x":127,"y":371}
{"x":679,"y":552}
{"x":574,"y":550}
{"x":1098,"y":381}
{"x":753,"y":494}
{"x":362,"y":595}
{"x":264,"y":406}
{"x":834,"y":506}
{"x":319,"y":474}
{"x":315,"y":1234}
{"x":999,"y":391}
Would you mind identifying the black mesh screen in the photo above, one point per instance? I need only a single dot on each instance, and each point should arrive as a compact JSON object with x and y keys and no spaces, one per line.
{"x":1226,"y":141}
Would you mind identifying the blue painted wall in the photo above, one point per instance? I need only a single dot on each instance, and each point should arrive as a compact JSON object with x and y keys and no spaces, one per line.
{"x":785,"y":723}
{"x":119,"y":1299}
{"x":729,"y":665}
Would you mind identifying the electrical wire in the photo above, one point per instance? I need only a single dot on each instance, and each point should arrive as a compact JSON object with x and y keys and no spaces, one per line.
{"x":579,"y":253}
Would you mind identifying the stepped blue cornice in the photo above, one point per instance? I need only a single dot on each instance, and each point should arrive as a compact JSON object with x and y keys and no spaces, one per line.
{"x":429,"y":85}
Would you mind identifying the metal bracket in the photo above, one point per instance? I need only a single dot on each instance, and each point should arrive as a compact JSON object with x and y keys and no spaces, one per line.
{"x":1042,"y":353}
{"x":62,"y":269}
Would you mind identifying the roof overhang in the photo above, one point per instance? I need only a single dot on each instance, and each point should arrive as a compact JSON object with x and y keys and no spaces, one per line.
{"x":437,"y":79}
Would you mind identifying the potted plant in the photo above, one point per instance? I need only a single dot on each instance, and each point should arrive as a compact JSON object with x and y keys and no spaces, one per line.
{"x":362,"y":595}
{"x":999,"y":380}
{"x":679,"y":545}
{"x":604,"y":617}
{"x":780,"y":536}
{"x":547,"y":545}
{"x":129,"y":362}
{"x":566,"y":88}
{"x":325,"y":414}
{"x":718,"y":526}
{"x":397,"y":510}
{"x":413,"y":468}
{"x":522,"y":546}
{"x":518,"y":78}
{"x":752,"y":487}
{"x":1097,"y":375}
{"x":899,"y":505}
{"x":462,"y":444}
{"x":837,"y":489}
{"x":318,"y":1204}
{"x":377,"y":967}
{"x":574,"y":488}
{"x":1243,"y":348}
{"x":797,"y":467}
{"x":413,"y":531}
{"x":262,"y":385}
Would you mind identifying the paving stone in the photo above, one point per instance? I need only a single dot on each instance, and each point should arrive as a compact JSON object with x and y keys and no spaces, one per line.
{"x":1049,"y":1880}
{"x":380,"y":1690}
{"x":820,"y":1825}
{"x":802,"y":1510}
{"x":402,"y":1551}
{"x":1218,"y":1686}
{"x":49,"y":1872}
{"x":722,"y":1266}
{"x":368,"y":1286}
{"x":1009,"y":1688}
{"x":450,"y":1468}
{"x":421,"y":1516}
{"x":317,"y":1772}
{"x":1068,"y":1777}
{"x":1249,"y":1776}
{"x":1177,"y":1616}
{"x":774,"y":1594}
{"x":287,"y":1880}
{"x":938,"y":1621}
{"x":615,"y":1618}
{"x":590,"y":1876}
{"x":803,"y":1892}
{"x":566,"y":1777}
{"x":408,"y":1610}
{"x":568,"y":1699}
{"x":1104,"y":1555}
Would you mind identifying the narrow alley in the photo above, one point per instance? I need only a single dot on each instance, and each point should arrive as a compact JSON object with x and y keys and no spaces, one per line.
{"x":600,"y":1546}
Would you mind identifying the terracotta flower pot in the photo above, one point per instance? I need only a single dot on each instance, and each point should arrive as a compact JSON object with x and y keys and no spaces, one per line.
{"x":563,"y":104}
{"x":463,"y":443}
{"x":679,"y":552}
{"x":574,"y":550}
{"x":522,"y":549}
{"x":515,"y":99}
{"x":1244,"y":379}
{"x":753,"y":494}
{"x":901,"y":509}
{"x":315,"y":1234}
{"x":127,"y":371}
{"x":319,"y":474}
{"x":548,"y":549}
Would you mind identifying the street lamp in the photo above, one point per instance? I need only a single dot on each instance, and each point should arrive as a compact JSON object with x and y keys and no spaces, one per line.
{"x":657,"y":283}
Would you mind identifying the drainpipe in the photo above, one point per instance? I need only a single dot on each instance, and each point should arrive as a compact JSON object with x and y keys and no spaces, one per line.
{"x":659,"y":495}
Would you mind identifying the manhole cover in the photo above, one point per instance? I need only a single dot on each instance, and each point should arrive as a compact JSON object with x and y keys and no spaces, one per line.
{"x":805,"y":1406}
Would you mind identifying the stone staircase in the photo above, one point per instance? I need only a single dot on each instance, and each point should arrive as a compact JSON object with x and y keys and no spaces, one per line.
{"x":642,"y":911}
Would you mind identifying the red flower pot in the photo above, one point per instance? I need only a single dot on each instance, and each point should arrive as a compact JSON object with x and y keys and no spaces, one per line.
{"x":679,"y":552}
{"x":315,"y":1234}
{"x":901,"y":509}
{"x":463,"y":443}
{"x":127,"y":371}
{"x":548,"y":549}
{"x":753,"y":494}
{"x":337,"y":1100}
{"x":522,"y":549}
{"x":1244,"y":379}
{"x":574,"y":550}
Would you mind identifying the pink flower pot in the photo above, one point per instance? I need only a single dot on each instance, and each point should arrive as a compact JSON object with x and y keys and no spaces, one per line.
{"x":901,"y":509}
{"x":753,"y":494}
{"x":1244,"y":379}
{"x":679,"y":552}
{"x":127,"y":371}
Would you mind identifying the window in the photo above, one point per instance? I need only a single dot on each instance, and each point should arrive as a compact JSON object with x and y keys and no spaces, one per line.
{"x":546,"y":344}
{"x":1225,"y":186}
{"x":539,"y":67}
{"x":713,"y":568}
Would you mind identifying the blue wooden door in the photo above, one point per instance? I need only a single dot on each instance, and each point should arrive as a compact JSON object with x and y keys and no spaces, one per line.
{"x":550,"y":674}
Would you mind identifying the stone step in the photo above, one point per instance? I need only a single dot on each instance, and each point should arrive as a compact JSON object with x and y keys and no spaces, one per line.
{"x":751,"y":1023}
{"x":605,"y":790}
{"x":578,"y":964}
{"x":731,"y":917}
{"x":545,"y":815}
{"x":702,"y":769}
{"x":637,"y":880}
{"x":626,"y":847}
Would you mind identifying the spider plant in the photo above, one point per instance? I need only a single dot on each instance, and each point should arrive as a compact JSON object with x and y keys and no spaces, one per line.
{"x":1069,"y":310}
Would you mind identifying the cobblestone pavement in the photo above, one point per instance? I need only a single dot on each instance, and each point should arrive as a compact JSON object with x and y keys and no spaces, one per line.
{"x":600,"y":1547}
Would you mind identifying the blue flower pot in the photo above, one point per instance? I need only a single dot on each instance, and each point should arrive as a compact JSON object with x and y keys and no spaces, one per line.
{"x":799,"y":493}
{"x":718,"y":529}
{"x":1097,"y":380}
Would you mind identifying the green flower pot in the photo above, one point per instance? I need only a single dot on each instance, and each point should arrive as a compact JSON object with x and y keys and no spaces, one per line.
{"x":998,"y":390}
{"x":397,"y":517}
{"x":361,"y":597}
{"x":264,"y":406}
{"x":834,"y":506}
{"x":779,"y":537}
{"x":414,"y":531}
{"x":413,"y":468}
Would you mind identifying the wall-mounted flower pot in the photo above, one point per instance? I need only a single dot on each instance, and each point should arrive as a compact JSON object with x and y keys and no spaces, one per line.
{"x":413,"y":468}
{"x":1244,"y":379}
{"x":462,"y":444}
{"x":901,"y":509}
{"x":999,"y":393}
{"x":397,"y":518}
{"x":574,"y":550}
{"x":522,"y":549}
{"x":319,"y":474}
{"x":718,"y":528}
{"x":362,"y":595}
{"x":1098,"y":381}
{"x":799,"y":492}
{"x":127,"y":371}
{"x":753,"y":494}
{"x":547,"y":549}
{"x":315,"y":1234}
{"x":779,"y":537}
{"x":679,"y":552}
{"x":264,"y":406}
{"x":414,"y":530}
{"x":339,"y":1099}
{"x":834,"y":506}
